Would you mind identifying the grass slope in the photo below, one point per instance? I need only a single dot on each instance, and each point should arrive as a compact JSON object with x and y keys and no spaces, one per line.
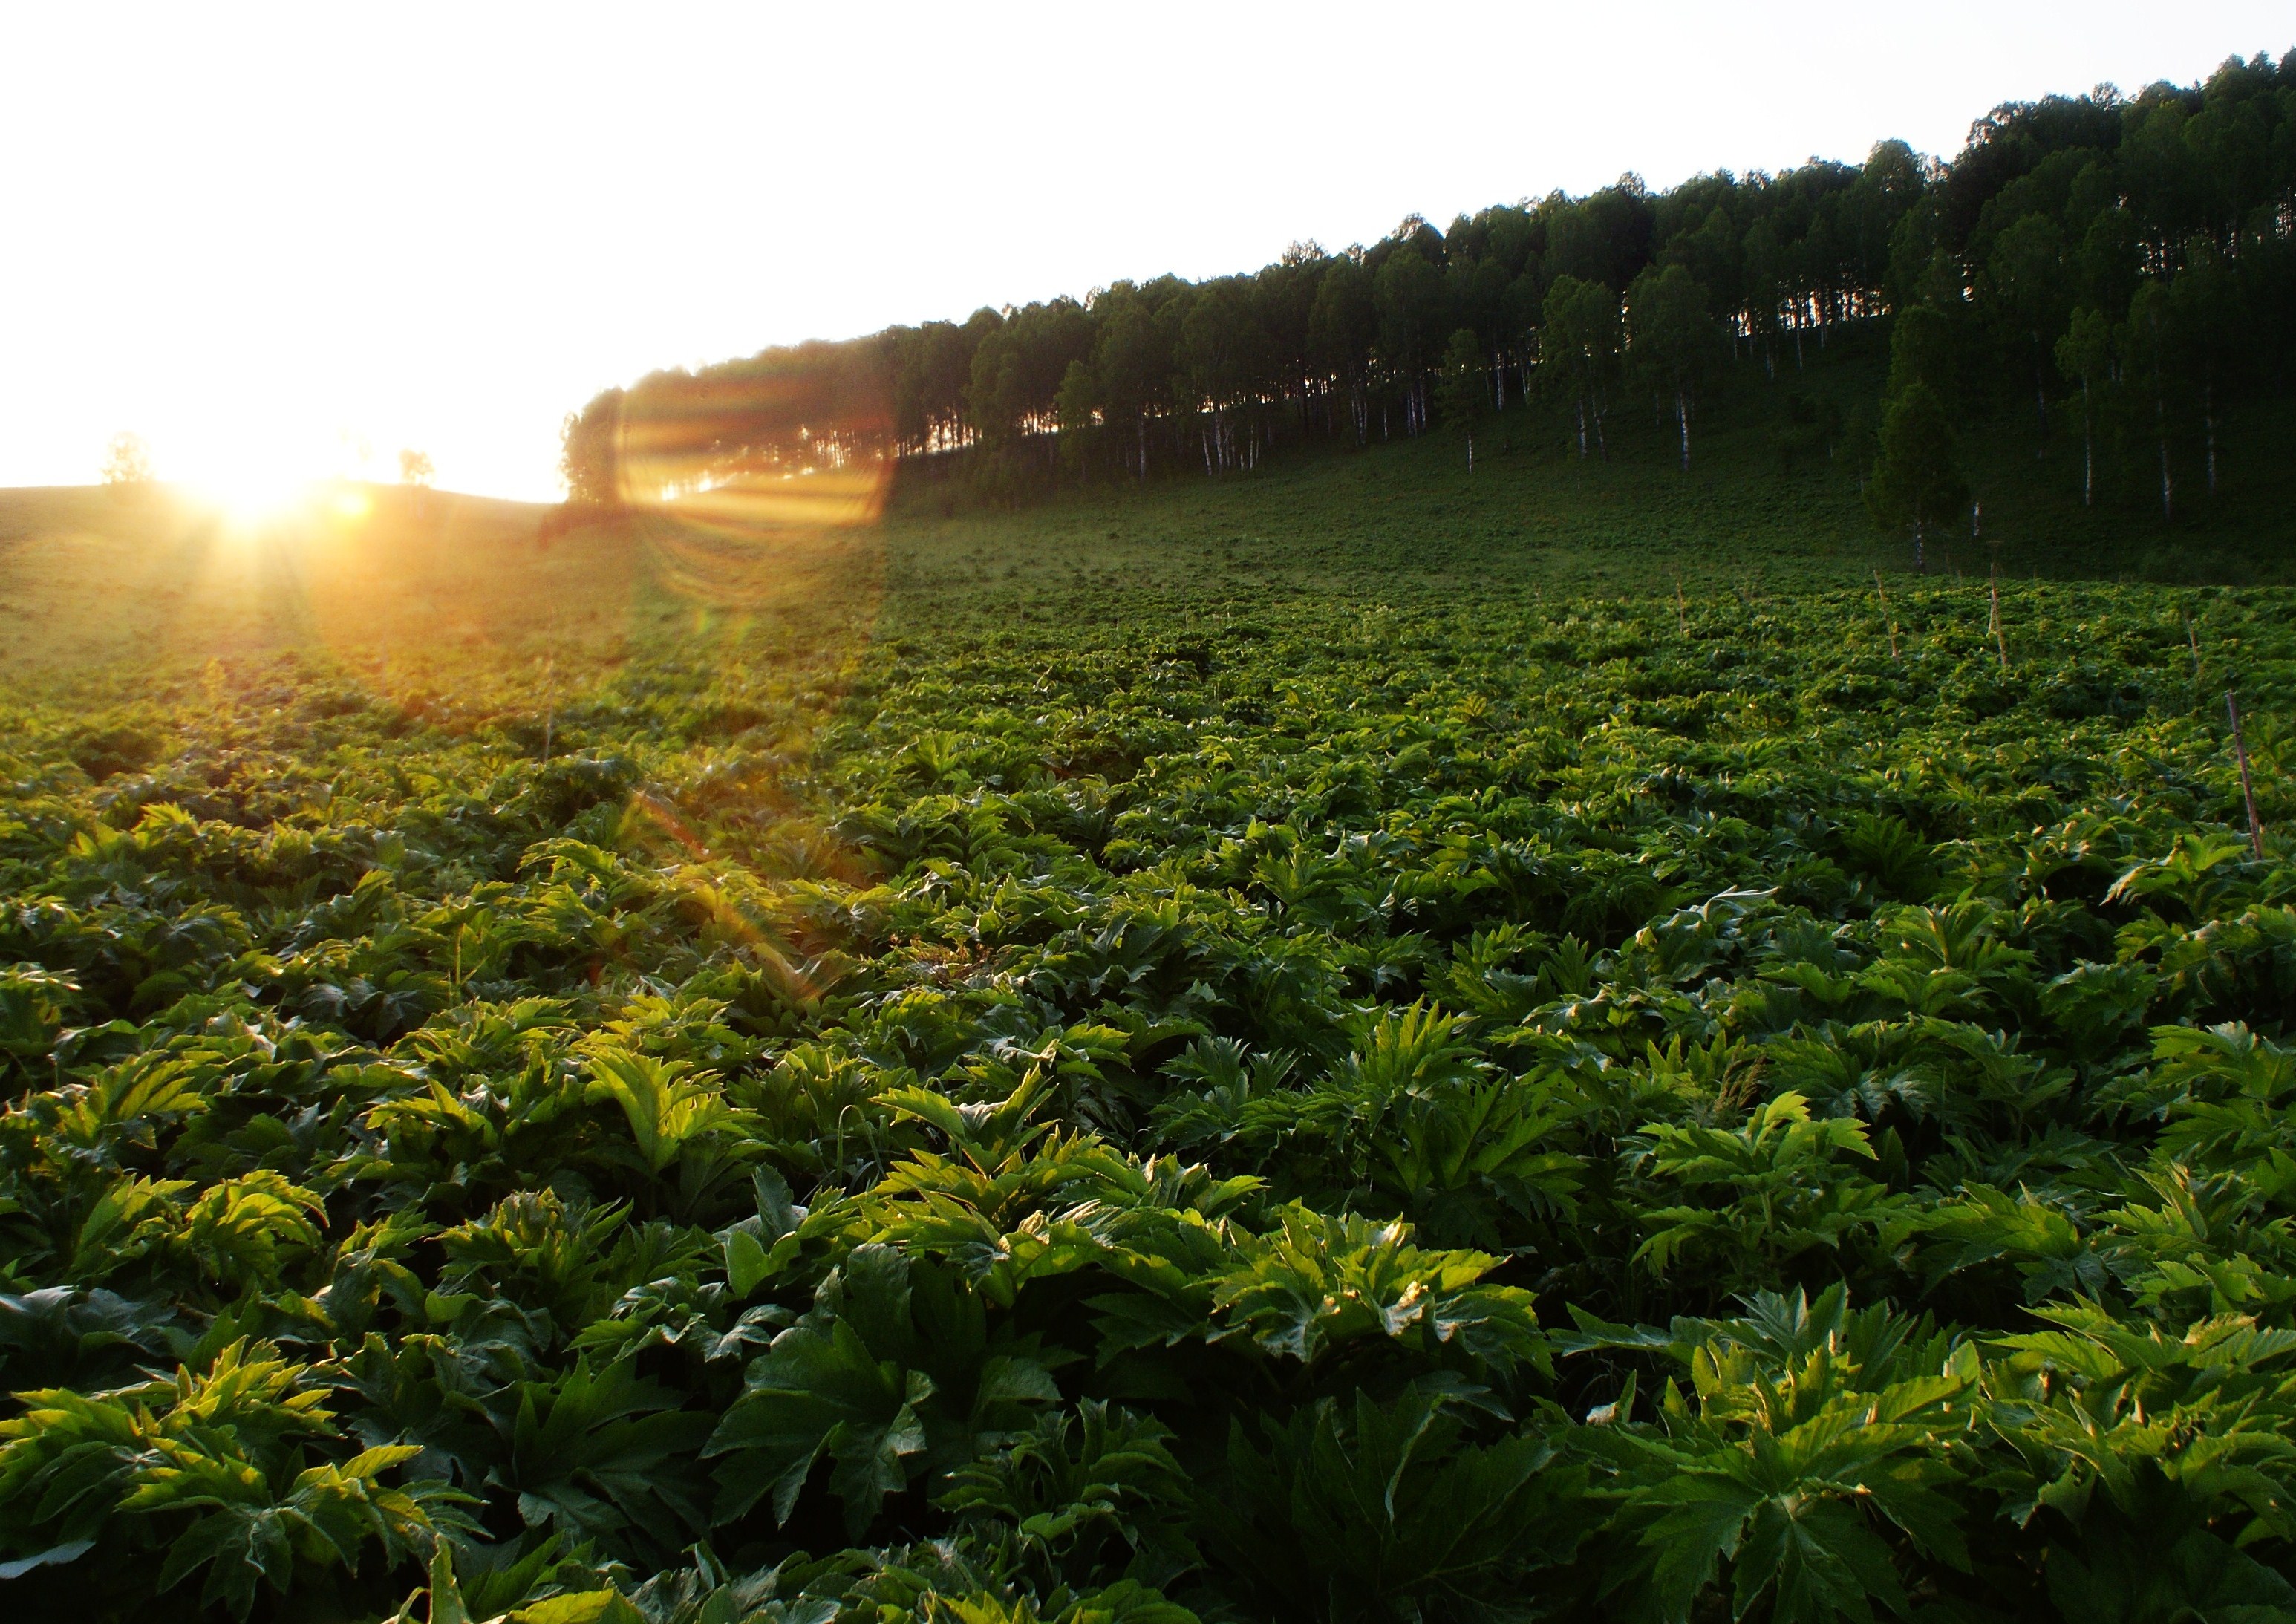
{"x":1406,"y":516}
{"x":1308,"y":1048}
{"x":88,"y":575}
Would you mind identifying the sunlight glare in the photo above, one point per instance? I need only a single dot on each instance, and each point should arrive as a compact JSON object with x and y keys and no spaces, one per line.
{"x":250,"y":498}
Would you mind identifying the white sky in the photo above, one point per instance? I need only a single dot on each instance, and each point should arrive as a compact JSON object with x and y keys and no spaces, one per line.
{"x":263,"y":237}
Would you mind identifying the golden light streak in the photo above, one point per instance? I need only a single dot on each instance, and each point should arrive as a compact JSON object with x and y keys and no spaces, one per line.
{"x":765,"y":556}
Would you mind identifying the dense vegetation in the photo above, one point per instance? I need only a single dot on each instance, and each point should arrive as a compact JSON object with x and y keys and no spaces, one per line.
{"x":1061,"y":1085}
{"x":2119,"y":270}
{"x":1363,"y":1042}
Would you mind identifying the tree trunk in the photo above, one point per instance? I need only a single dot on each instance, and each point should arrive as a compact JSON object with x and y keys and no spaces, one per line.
{"x":2208,"y":428}
{"x":2088,"y":450}
{"x":1682,"y":416}
{"x":2160,"y":426}
{"x":1582,"y":428}
{"x":1921,"y":563}
{"x":2160,"y":429}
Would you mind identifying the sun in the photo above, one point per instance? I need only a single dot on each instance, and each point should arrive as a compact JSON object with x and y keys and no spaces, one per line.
{"x":249,"y":496}
{"x":251,"y":503}
{"x":259,"y":498}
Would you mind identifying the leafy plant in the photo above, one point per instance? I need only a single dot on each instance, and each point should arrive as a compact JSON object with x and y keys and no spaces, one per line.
{"x":1398,"y":1104}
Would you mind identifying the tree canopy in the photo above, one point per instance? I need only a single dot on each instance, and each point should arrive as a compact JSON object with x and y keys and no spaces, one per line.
{"x":2160,"y":226}
{"x":1917,"y":481}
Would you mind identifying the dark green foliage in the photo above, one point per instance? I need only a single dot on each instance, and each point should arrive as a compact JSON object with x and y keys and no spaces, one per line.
{"x":1356,"y":1105}
{"x":1917,"y":484}
{"x":1463,"y":397}
{"x":1385,"y":1510}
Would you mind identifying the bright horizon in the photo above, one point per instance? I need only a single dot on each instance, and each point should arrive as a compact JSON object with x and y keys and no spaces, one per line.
{"x":269,"y":240}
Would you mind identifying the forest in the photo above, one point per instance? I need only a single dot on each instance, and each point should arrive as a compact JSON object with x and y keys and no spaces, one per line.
{"x":2125,"y":267}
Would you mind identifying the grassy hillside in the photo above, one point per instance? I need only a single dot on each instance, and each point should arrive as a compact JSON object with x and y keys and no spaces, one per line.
{"x":1317,"y":1048}
{"x":1408,"y":515}
{"x":97,"y":583}
{"x":1399,"y":520}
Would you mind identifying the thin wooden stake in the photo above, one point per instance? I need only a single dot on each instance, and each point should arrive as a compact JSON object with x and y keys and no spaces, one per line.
{"x":1884,"y":593}
{"x":2193,"y":638}
{"x":1681,"y":614}
{"x":2247,"y":792}
{"x":2000,"y":642}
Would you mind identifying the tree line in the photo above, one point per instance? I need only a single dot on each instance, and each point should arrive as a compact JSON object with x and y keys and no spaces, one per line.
{"x":2125,"y":265}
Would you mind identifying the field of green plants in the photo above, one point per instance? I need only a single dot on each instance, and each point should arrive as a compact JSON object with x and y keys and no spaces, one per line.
{"x":1088,"y":1087}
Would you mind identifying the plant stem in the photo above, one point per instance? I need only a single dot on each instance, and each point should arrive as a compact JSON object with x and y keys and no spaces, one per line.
{"x":1884,"y":593}
{"x":2000,"y":641}
{"x":2247,"y":790}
